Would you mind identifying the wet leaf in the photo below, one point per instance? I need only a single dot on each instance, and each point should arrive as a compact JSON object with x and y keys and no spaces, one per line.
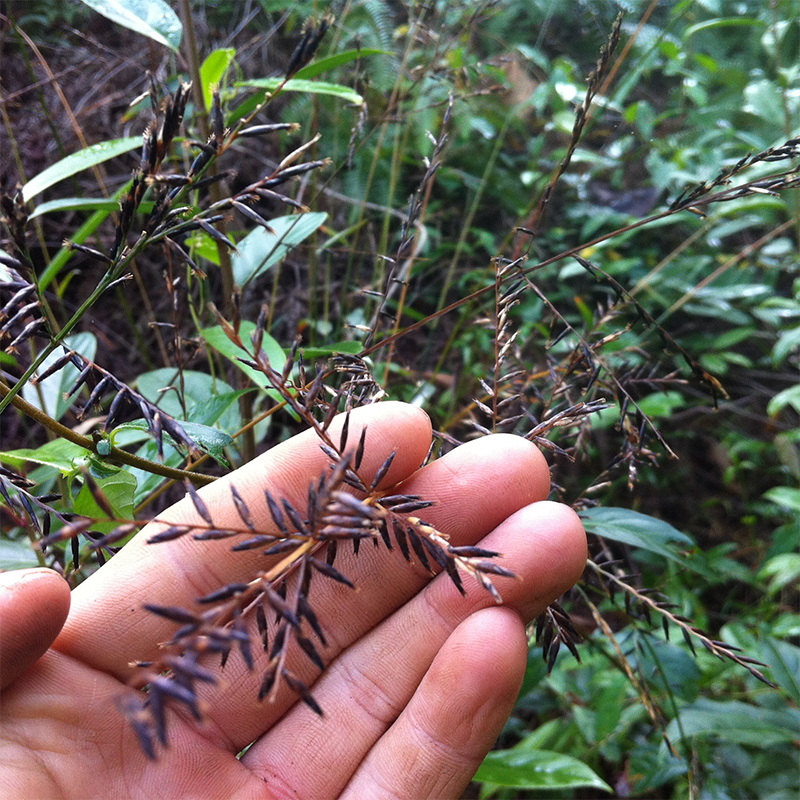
{"x":152,"y":18}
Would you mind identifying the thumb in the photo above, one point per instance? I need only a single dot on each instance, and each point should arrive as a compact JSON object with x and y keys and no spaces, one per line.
{"x":34,"y":604}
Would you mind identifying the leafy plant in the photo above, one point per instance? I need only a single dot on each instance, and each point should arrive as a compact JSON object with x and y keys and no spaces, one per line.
{"x":533,"y":284}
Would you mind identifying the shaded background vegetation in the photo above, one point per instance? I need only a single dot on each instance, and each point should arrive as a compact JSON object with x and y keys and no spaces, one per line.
{"x":699,"y":86}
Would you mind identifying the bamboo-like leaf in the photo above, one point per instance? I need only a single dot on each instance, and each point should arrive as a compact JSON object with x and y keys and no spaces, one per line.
{"x":638,"y":530}
{"x":331,"y":62}
{"x":262,"y":248}
{"x":52,"y":390}
{"x":213,"y":69}
{"x":77,"y":162}
{"x":83,"y":204}
{"x":306,"y":86}
{"x":526,"y":768}
{"x":16,"y":555}
{"x":152,"y":18}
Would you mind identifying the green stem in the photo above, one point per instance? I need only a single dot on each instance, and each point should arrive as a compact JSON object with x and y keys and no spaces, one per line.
{"x":115,"y":454}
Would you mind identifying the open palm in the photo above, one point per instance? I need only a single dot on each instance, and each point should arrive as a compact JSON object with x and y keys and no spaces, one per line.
{"x":419,"y":679}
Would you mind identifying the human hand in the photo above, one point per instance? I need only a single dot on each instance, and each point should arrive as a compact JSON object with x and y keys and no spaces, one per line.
{"x":419,"y":679}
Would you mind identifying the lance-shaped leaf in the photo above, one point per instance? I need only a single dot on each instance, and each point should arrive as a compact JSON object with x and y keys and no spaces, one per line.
{"x":77,"y":162}
{"x":638,"y":530}
{"x":262,"y":248}
{"x":213,"y":70}
{"x":152,"y":18}
{"x":331,"y":62}
{"x":309,"y":87}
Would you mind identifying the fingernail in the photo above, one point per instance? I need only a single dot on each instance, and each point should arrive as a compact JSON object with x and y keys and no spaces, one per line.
{"x":15,"y":578}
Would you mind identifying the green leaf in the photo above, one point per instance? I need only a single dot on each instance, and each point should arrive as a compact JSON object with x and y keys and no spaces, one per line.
{"x":609,"y":705}
{"x":147,"y":482}
{"x":637,"y":530}
{"x":260,"y":249}
{"x":787,"y":626}
{"x":327,"y":64}
{"x":784,"y":569}
{"x":214,"y":408}
{"x":737,"y":722}
{"x":50,"y":395}
{"x":537,"y":769}
{"x":208,"y":401}
{"x":118,"y":488}
{"x":784,"y":496}
{"x":662,"y":404}
{"x":312,"y":70}
{"x":788,"y":397}
{"x":670,"y":668}
{"x":16,"y":555}
{"x":784,"y":662}
{"x":59,"y":453}
{"x":547,"y":734}
{"x":788,"y":341}
{"x":203,"y":245}
{"x":309,"y":87}
{"x":77,"y":162}
{"x":220,"y":342}
{"x":217,"y":408}
{"x":152,"y":18}
{"x":210,"y":440}
{"x":763,"y":99}
{"x":721,"y":22}
{"x":316,"y":353}
{"x":200,"y":392}
{"x":213,"y":69}
{"x":82,"y":204}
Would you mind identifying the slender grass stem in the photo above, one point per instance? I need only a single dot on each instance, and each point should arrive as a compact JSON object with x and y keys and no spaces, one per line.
{"x":115,"y":454}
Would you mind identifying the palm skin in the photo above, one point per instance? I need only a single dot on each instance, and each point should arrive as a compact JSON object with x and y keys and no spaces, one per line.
{"x":419,"y":679}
